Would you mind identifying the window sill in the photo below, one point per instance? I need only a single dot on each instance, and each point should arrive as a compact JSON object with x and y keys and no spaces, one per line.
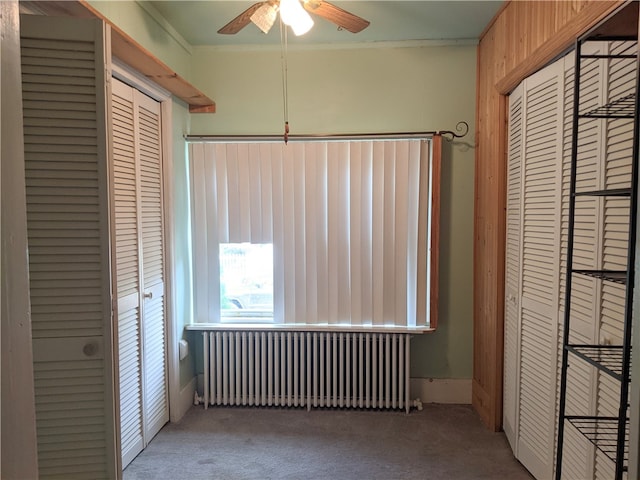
{"x":300,"y":327}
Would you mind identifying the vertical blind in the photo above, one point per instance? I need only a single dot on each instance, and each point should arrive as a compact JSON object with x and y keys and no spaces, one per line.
{"x":348,"y":221}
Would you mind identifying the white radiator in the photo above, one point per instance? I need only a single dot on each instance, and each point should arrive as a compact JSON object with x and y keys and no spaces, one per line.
{"x":306,"y":369}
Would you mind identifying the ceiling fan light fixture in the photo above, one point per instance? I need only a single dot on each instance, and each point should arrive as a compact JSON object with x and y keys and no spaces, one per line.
{"x":265,"y":16}
{"x":295,"y":16}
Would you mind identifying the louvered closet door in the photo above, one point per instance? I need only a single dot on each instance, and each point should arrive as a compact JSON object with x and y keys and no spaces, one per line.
{"x":512,"y":269}
{"x":151,"y":214}
{"x":127,"y":256}
{"x":137,"y":181}
{"x":63,"y":67}
{"x":541,"y":177}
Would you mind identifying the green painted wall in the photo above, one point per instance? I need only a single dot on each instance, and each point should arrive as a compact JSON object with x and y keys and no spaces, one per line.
{"x":334,"y":90}
{"x":181,"y":233}
{"x":369,"y":90}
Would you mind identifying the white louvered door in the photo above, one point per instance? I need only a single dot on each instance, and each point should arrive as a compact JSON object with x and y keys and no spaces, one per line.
{"x":64,"y":62}
{"x":139,"y":252}
{"x":513,"y":259}
{"x":151,"y":214}
{"x":532,"y":268}
{"x":127,"y":266}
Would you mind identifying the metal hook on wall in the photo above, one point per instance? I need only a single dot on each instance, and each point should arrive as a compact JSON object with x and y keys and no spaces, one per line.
{"x":460,"y":127}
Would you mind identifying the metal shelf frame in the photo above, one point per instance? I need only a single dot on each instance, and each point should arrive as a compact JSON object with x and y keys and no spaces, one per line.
{"x":608,"y":434}
{"x":623,"y":107}
{"x":615,"y":276}
{"x":606,"y":358}
{"x":603,"y":433}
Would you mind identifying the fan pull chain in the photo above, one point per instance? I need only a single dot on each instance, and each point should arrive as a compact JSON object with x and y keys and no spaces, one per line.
{"x":285,"y":82}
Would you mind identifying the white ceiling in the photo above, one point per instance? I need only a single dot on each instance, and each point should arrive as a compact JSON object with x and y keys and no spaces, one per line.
{"x":391,"y":21}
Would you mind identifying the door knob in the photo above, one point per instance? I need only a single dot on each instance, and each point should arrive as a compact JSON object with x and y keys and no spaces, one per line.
{"x":90,"y":349}
{"x":148,"y":295}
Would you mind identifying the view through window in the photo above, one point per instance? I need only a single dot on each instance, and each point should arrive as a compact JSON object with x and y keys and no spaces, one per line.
{"x":246,"y":281}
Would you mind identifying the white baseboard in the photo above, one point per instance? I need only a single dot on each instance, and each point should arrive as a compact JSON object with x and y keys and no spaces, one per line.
{"x":185,"y":401}
{"x":441,"y":390}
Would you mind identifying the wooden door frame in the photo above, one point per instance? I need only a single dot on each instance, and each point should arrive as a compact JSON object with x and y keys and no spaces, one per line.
{"x":19,"y":441}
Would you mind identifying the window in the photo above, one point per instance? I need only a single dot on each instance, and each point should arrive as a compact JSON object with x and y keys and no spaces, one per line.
{"x":246,"y":282}
{"x":343,"y":228}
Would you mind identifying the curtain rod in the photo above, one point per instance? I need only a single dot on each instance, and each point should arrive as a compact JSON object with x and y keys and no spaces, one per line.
{"x":462,"y":127}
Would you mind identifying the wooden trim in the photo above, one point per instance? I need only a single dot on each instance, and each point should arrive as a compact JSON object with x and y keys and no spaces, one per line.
{"x":495,"y":389}
{"x":202,"y":108}
{"x":556,"y":45}
{"x":481,"y":401}
{"x":19,"y":444}
{"x":132,"y":53}
{"x":436,"y":169}
{"x":103,"y":110}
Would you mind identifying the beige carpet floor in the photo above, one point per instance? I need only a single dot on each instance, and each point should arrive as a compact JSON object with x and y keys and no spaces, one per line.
{"x":440,"y":442}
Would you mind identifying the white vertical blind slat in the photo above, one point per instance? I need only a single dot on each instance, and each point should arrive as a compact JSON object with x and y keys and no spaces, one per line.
{"x":289,"y":244}
{"x":343,"y":208}
{"x":244,"y":192}
{"x":278,"y":234}
{"x":413,"y":231}
{"x":332,"y":233}
{"x":221,"y":208}
{"x":299,"y":232}
{"x":266,"y":192}
{"x":401,"y":230}
{"x":233,"y":210}
{"x":356,"y":227}
{"x":378,"y":226}
{"x":322,"y":222}
{"x":366,"y":220}
{"x":210,"y":263}
{"x":313,"y":204}
{"x":388,"y":236}
{"x":255,"y":194}
{"x":198,"y":204}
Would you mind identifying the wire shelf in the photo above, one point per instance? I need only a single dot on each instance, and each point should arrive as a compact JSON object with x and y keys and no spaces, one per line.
{"x":615,"y":276}
{"x":623,"y":107}
{"x":607,"y":358}
{"x":614,"y":192}
{"x":603,"y":433}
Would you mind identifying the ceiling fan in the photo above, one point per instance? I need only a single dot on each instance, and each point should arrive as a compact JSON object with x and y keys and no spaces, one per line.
{"x":294,"y":13}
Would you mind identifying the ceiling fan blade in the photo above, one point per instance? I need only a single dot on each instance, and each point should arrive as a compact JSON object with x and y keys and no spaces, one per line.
{"x":337,"y":15}
{"x":241,"y":21}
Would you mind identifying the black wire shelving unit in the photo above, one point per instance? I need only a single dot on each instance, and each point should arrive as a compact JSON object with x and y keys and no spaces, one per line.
{"x":609,"y":434}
